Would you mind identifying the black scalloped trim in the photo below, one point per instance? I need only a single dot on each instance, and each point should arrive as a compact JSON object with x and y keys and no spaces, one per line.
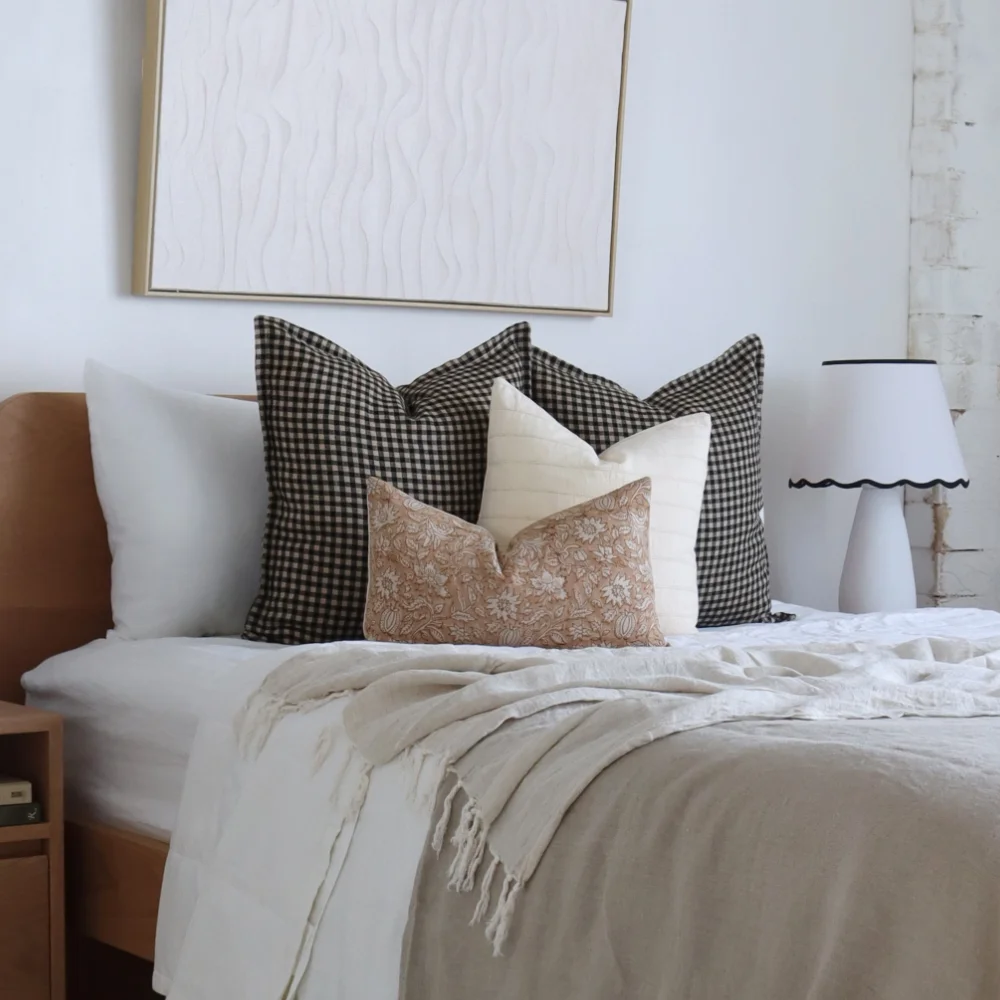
{"x":879,"y":486}
{"x":880,"y":361}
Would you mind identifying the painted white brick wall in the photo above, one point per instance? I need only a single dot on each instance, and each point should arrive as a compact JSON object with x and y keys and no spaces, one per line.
{"x":955,"y":287}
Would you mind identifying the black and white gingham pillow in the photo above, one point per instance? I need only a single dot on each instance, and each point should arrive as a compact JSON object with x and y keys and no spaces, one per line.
{"x":733,"y":583}
{"x":329,"y":423}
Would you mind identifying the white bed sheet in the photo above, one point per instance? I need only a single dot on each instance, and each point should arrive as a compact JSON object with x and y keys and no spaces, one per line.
{"x":130,"y":710}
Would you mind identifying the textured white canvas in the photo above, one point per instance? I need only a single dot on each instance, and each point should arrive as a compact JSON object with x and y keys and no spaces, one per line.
{"x":180,"y":477}
{"x":402,"y":150}
{"x":537,"y":467}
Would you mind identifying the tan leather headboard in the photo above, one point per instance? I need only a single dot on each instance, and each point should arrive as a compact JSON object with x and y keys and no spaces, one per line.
{"x":55,"y":567}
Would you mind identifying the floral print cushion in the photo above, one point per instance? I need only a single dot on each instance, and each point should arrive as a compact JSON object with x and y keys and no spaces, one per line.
{"x":579,"y":578}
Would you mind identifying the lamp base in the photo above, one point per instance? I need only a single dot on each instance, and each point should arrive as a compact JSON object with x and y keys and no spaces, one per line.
{"x":878,"y":570}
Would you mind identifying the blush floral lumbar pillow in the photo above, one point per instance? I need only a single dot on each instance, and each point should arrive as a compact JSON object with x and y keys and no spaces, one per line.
{"x":578,"y":578}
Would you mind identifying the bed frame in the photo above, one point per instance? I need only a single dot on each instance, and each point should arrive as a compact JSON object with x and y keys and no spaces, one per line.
{"x":55,"y":595}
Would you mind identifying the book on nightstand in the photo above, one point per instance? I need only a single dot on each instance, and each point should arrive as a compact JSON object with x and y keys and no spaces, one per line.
{"x":21,"y":814}
{"x":14,"y":791}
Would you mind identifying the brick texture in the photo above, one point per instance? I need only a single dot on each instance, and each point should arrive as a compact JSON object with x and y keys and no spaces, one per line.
{"x":955,"y":286}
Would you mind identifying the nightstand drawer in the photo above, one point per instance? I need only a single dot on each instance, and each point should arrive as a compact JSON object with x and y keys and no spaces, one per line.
{"x":24,"y":928}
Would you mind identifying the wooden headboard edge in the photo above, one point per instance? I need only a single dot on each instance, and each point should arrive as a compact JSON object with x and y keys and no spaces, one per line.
{"x":55,"y":565}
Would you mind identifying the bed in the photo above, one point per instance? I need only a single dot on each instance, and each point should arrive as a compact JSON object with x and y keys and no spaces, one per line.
{"x":133,"y":720}
{"x":131,"y":709}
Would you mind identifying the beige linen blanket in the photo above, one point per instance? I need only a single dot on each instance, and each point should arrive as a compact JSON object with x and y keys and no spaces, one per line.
{"x":752,"y":861}
{"x":525,"y":734}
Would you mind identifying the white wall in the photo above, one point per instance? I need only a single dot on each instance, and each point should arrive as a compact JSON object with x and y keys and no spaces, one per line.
{"x":765,"y":189}
{"x":955,"y":287}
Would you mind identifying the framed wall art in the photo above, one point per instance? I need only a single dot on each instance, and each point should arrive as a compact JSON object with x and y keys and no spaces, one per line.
{"x":444,"y":153}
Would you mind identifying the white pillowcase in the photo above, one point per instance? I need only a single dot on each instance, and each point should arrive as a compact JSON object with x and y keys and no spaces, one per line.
{"x":181,"y":480}
{"x":537,"y":467}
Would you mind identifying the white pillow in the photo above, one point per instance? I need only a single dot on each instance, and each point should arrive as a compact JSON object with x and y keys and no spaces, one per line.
{"x":537,"y":467}
{"x":181,"y":480}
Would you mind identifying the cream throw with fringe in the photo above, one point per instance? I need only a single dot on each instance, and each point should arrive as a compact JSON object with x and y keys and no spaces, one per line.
{"x":569,"y":715}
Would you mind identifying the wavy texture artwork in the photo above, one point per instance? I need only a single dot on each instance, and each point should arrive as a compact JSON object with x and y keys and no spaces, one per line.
{"x":437,"y":152}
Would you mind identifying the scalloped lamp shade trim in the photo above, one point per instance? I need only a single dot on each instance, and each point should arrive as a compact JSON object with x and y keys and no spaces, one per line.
{"x":802,"y":483}
{"x":880,"y":423}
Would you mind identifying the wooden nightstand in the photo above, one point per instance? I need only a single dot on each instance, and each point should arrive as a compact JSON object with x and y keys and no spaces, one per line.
{"x":32,"y":913}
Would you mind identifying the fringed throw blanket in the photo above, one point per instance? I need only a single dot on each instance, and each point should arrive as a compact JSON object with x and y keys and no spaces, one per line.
{"x":521,"y":735}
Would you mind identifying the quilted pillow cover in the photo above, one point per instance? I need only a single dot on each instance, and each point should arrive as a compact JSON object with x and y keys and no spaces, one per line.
{"x":329,"y":423}
{"x":536,"y":467}
{"x":578,"y":578}
{"x":733,"y":575}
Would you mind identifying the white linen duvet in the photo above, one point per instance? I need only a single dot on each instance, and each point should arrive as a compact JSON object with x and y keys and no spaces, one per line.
{"x":283,"y":880}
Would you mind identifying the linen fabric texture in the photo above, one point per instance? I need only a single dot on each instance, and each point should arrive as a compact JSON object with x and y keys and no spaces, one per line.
{"x":756,"y":860}
{"x":578,"y":578}
{"x":733,"y":575}
{"x":536,"y":467}
{"x":329,"y":423}
{"x":524,"y":734}
{"x":180,"y":478}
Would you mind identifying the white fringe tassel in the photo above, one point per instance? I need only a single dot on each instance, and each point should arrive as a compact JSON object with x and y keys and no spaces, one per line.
{"x":469,"y":841}
{"x":442,"y":826}
{"x":499,"y":925}
{"x":300,"y":684}
{"x":361,"y":793}
{"x":254,"y":722}
{"x":484,"y":893}
{"x":476,"y":859}
{"x":323,"y":747}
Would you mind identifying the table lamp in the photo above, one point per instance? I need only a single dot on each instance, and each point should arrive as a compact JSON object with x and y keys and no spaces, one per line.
{"x":880,"y":425}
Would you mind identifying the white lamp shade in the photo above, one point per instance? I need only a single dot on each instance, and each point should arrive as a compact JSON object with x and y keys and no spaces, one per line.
{"x":880,"y":423}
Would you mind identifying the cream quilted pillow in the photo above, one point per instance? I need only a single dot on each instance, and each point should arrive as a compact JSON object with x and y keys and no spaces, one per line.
{"x":537,"y":467}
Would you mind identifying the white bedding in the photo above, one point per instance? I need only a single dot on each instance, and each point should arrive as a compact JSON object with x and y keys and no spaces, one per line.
{"x":132,"y":708}
{"x":358,"y":939}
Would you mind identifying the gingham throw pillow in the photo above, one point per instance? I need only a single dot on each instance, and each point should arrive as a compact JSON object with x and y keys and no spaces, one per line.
{"x":329,"y":423}
{"x":733,"y":583}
